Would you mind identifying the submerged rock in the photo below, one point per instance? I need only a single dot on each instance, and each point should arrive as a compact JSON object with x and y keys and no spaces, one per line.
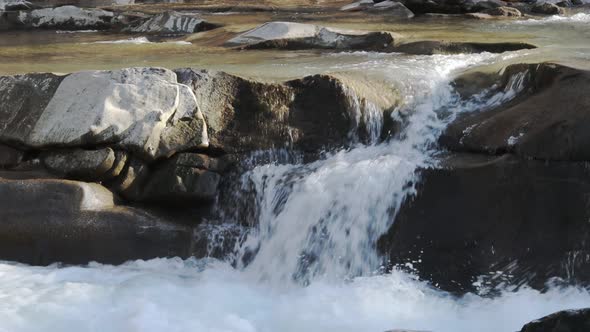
{"x":438,"y":47}
{"x":66,"y":18}
{"x":290,"y":35}
{"x":172,"y":23}
{"x":562,"y":321}
{"x":47,"y":221}
{"x":547,"y":120}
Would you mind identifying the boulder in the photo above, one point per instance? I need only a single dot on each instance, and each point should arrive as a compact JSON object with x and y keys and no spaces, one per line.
{"x":14,"y":5}
{"x":143,"y":110}
{"x":22,"y":100}
{"x":392,"y":8}
{"x":131,"y":180}
{"x":292,"y":36}
{"x":504,"y":11}
{"x":547,"y":8}
{"x":47,"y":221}
{"x":172,"y":23}
{"x":562,"y":321}
{"x":358,"y":6}
{"x":547,"y":118}
{"x":185,"y":177}
{"x":10,"y":157}
{"x":308,"y":114}
{"x":80,"y":164}
{"x":439,"y":47}
{"x":481,"y":221}
{"x":66,"y":18}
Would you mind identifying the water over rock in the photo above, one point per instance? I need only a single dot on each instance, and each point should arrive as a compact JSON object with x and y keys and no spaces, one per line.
{"x":290,"y":35}
{"x":562,"y":321}
{"x":547,"y":121}
{"x":172,"y":23}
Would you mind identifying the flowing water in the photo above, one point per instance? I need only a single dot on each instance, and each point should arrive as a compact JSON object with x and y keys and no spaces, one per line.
{"x":311,"y":259}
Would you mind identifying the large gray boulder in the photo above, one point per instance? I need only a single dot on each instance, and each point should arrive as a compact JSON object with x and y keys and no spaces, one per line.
{"x":66,"y":18}
{"x":47,"y":221}
{"x":143,"y":110}
{"x":172,"y":23}
{"x":290,"y":35}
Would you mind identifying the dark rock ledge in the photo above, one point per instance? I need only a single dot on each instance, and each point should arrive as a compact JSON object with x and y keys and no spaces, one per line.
{"x":510,"y":204}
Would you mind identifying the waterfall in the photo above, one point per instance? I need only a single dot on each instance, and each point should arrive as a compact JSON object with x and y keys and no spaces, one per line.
{"x":322,"y":220}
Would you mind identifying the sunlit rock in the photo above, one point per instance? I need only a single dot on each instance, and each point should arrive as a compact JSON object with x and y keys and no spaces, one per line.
{"x":172,"y":23}
{"x":290,"y":35}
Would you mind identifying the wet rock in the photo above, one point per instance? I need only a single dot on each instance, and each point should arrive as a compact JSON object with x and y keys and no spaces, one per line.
{"x":547,"y":9}
{"x":14,"y":5}
{"x":562,"y":321}
{"x":480,"y":221}
{"x":438,"y":6}
{"x":504,"y":11}
{"x":22,"y":100}
{"x":80,"y":164}
{"x":479,"y":16}
{"x":66,"y":18}
{"x":292,"y":36}
{"x":547,"y":119}
{"x":392,"y":8}
{"x":47,"y":221}
{"x":358,"y":6}
{"x":308,"y":114}
{"x":438,"y":47}
{"x":10,"y":157}
{"x":143,"y":110}
{"x":185,"y":177}
{"x":172,"y":23}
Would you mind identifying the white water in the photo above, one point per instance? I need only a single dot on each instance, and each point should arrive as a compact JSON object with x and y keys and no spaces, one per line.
{"x":318,"y":224}
{"x":139,"y":41}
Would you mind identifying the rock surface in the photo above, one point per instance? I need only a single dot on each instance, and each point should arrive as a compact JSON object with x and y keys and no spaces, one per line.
{"x":172,"y":23}
{"x":9,"y":157}
{"x":80,"y":164}
{"x":66,"y":18}
{"x":530,"y":125}
{"x":504,"y":220}
{"x":547,"y":9}
{"x":23,"y":99}
{"x":143,"y":110}
{"x":46,"y":221}
{"x":290,"y":35}
{"x":562,"y":321}
{"x":308,"y":114}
